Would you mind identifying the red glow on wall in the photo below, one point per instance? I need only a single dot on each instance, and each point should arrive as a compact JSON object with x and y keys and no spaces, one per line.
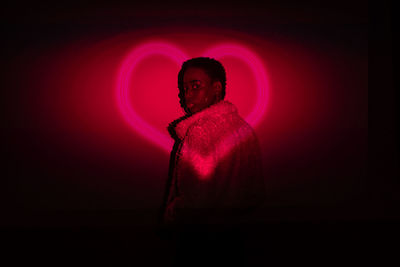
{"x":152,"y":49}
{"x":279,"y":87}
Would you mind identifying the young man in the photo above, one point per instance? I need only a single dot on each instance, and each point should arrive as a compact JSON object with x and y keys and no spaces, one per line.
{"x":215,"y":177}
{"x":215,"y":168}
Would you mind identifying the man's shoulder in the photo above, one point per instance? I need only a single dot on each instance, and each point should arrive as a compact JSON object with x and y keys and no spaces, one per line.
{"x":212,"y":127}
{"x":200,"y":136}
{"x":210,"y":131}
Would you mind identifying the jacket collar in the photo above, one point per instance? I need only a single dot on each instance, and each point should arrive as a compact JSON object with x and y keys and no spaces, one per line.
{"x":219,"y":109}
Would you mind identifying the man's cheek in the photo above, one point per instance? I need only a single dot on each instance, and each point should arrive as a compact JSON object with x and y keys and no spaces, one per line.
{"x":200,"y":94}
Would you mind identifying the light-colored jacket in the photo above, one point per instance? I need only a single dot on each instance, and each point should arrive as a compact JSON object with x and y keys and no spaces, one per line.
{"x":217,"y":174}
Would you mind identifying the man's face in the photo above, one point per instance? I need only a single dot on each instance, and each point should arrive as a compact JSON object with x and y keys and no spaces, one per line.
{"x":199,"y":91}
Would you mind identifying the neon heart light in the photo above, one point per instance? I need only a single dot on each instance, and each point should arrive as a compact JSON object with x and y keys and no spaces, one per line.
{"x":163,"y":48}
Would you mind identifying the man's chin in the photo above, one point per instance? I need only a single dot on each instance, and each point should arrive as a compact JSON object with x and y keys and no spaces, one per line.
{"x":190,"y":109}
{"x":189,"y":112}
{"x":193,"y":110}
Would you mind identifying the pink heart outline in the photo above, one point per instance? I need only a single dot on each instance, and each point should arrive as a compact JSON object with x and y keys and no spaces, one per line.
{"x":166,"y":49}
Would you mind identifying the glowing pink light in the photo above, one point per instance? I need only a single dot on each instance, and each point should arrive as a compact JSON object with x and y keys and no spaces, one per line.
{"x":125,"y":73}
{"x":257,"y":68}
{"x":163,"y":48}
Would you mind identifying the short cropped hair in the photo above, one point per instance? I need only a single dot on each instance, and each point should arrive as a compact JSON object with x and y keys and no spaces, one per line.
{"x":211,"y":67}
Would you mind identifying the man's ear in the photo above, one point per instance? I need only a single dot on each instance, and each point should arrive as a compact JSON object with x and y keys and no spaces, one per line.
{"x":217,"y":86}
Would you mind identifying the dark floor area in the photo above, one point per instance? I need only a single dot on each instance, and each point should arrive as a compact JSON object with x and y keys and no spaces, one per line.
{"x":252,"y":245}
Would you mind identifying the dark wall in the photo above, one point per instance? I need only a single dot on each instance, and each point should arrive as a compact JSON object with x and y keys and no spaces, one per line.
{"x":40,"y":191}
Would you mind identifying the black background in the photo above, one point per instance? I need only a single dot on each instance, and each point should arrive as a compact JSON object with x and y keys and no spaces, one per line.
{"x":119,"y":235}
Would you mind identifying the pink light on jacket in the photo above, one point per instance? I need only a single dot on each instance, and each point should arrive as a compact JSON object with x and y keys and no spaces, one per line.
{"x":204,"y":163}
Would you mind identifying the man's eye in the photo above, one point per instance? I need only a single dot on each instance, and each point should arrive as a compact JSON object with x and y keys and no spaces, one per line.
{"x":196,"y":85}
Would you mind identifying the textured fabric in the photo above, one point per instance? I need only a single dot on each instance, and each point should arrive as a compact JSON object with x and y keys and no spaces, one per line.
{"x":217,"y":174}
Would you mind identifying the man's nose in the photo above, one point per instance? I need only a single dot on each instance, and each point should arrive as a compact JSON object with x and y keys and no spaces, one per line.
{"x":188,"y":94}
